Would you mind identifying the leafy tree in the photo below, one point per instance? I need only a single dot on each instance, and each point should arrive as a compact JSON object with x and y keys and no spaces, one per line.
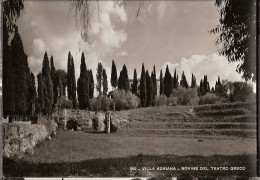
{"x":48,"y":85}
{"x":105,"y":84}
{"x":91,"y":84}
{"x":193,"y":81}
{"x":185,"y":96}
{"x":237,"y":34}
{"x":83,"y":85}
{"x":143,"y":93}
{"x":135,"y":83}
{"x":113,"y":75}
{"x":161,"y":84}
{"x":167,"y":82}
{"x":183,"y":82}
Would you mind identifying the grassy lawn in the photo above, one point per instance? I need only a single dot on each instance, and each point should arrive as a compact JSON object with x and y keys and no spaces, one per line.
{"x":148,"y":137}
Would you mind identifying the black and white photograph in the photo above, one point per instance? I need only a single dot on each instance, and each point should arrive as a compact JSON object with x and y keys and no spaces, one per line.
{"x":131,"y":89}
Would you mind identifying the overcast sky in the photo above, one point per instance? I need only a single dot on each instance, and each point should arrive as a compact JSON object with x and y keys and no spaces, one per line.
{"x":166,"y":32}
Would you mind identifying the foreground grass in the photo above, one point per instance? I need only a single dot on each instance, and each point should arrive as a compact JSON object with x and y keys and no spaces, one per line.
{"x":120,"y":167}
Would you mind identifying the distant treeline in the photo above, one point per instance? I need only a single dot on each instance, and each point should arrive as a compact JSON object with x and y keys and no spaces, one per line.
{"x":21,"y":97}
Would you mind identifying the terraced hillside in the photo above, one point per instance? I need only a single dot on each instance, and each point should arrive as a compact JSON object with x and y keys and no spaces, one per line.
{"x":211,"y":121}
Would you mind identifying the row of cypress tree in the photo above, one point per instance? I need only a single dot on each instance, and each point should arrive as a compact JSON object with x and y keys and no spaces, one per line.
{"x":20,"y":96}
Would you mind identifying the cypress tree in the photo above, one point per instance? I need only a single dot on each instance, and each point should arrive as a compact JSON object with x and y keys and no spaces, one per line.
{"x":126,"y":79}
{"x":183,"y":82}
{"x":69,"y":80}
{"x":167,"y":82}
{"x":175,"y":80}
{"x":61,"y":77}
{"x":83,"y":85}
{"x":99,"y":79}
{"x":149,"y":89}
{"x":193,"y":81}
{"x":8,"y":76}
{"x":21,"y":74}
{"x":123,"y":80}
{"x":135,"y":83}
{"x":32,"y":95}
{"x":113,"y":80}
{"x":40,"y":97}
{"x":202,"y":90}
{"x":48,"y":85}
{"x":161,"y":84}
{"x":105,"y":84}
{"x":206,"y":84}
{"x":143,"y":93}
{"x":73,"y":87}
{"x":91,"y":84}
{"x":153,"y":76}
{"x":55,"y":82}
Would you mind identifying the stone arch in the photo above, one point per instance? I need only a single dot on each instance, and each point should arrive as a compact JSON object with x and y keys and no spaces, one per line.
{"x":72,"y":124}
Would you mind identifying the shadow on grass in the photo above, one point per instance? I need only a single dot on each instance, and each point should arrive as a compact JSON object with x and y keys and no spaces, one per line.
{"x":120,"y":167}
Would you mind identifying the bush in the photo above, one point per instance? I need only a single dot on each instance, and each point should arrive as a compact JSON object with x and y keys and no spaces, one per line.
{"x":160,"y":100}
{"x":172,"y":101}
{"x":100,"y":103}
{"x":209,"y":98}
{"x":64,"y":103}
{"x":125,"y":100}
{"x":185,"y":96}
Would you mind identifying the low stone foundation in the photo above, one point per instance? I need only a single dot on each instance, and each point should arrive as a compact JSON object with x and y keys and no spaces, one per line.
{"x":20,"y":139}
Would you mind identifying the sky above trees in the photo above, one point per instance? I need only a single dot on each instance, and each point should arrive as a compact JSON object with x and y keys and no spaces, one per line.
{"x":166,"y":33}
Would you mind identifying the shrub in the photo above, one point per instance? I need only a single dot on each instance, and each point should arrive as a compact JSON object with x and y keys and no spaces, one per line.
{"x":64,"y":103}
{"x":125,"y":100}
{"x":160,"y":100}
{"x":172,"y":101}
{"x":100,"y":103}
{"x":185,"y":96}
{"x":209,"y":98}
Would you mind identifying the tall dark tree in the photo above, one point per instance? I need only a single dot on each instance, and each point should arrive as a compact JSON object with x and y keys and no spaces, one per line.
{"x":193,"y":81}
{"x":55,"y":81}
{"x":48,"y":85}
{"x":40,"y":96}
{"x":183,"y":82}
{"x":113,"y":80}
{"x":237,"y":34}
{"x":167,"y":82}
{"x":21,"y":74}
{"x":105,"y":83}
{"x":161,"y":84}
{"x":206,"y":84}
{"x":135,"y":83}
{"x":32,"y":95}
{"x":123,"y":80}
{"x":143,"y":93}
{"x":91,"y":84}
{"x":175,"y":80}
{"x":149,"y":89}
{"x":61,"y":77}
{"x":153,"y":76}
{"x":8,"y":76}
{"x":83,"y":85}
{"x":71,"y":81}
{"x":99,"y":79}
{"x":201,"y":88}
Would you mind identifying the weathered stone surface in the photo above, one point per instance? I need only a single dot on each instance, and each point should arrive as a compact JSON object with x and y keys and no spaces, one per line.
{"x":99,"y":122}
{"x":19,"y":139}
